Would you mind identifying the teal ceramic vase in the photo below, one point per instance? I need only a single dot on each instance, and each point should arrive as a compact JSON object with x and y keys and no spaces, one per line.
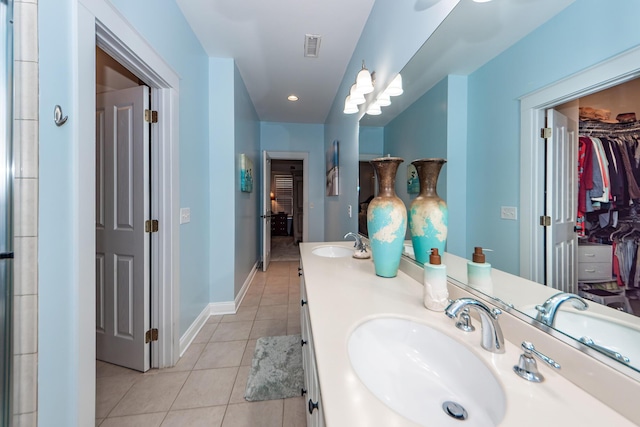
{"x":428,"y":213}
{"x":386,"y":219}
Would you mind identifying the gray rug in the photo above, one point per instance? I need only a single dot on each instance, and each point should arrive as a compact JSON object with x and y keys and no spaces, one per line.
{"x":276,"y":369}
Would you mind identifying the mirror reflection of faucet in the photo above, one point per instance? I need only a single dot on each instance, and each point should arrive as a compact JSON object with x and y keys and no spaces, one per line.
{"x":547,"y":311}
{"x":361,"y":248}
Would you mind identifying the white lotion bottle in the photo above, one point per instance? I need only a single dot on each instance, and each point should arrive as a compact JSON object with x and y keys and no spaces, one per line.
{"x":479,"y":272}
{"x":436,"y":293}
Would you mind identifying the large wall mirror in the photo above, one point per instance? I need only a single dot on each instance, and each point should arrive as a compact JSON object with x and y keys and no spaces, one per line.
{"x":437,"y":116}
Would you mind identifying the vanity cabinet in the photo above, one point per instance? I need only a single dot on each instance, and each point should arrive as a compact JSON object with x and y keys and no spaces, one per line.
{"x":313,"y":405}
{"x":594,"y":263}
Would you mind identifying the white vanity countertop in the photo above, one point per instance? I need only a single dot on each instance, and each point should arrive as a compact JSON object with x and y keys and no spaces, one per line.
{"x":344,"y":292}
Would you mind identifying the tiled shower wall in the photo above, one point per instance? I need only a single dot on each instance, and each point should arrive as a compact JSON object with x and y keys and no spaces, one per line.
{"x":25,"y":150}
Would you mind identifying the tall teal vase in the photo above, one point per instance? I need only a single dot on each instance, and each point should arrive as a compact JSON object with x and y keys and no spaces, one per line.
{"x":386,"y":219}
{"x":428,"y":213}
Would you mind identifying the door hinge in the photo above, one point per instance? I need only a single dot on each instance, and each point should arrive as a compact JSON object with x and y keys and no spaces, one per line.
{"x":545,"y":133}
{"x":150,"y":116}
{"x":545,"y":221}
{"x":151,"y":226}
{"x":151,"y":335}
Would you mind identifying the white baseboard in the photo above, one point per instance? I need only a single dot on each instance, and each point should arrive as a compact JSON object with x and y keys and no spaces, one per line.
{"x":245,"y":286}
{"x":187,"y":338}
{"x":216,"y":309}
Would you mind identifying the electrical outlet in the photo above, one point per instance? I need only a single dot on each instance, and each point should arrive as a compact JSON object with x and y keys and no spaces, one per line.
{"x":509,"y":212}
{"x":350,"y":211}
{"x":185,"y":215}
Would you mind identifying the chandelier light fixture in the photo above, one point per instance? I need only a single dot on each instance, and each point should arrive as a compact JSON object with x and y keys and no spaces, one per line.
{"x":364,"y":85}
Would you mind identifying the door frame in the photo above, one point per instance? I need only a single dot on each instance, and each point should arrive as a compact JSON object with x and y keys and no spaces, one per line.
{"x":99,"y":23}
{"x":304,"y":156}
{"x":608,"y":73}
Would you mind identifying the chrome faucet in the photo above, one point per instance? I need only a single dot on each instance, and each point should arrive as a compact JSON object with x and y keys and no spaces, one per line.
{"x":359,"y":244}
{"x":492,"y":338}
{"x":547,"y":311}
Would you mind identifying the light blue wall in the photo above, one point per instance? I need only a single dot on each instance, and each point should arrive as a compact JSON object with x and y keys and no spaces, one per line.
{"x":371,"y":140}
{"x":436,"y":126}
{"x":183,"y":52}
{"x":587,"y":32}
{"x":57,"y":307}
{"x":307,"y":138}
{"x":222,"y":179}
{"x":393,"y":33}
{"x":247,"y":206}
{"x":58,"y":303}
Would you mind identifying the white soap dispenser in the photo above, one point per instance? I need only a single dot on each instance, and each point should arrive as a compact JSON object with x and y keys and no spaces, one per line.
{"x":479,"y":272}
{"x":436,"y":294}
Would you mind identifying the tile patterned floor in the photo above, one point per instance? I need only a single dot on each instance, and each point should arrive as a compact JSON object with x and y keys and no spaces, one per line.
{"x":206,"y":387}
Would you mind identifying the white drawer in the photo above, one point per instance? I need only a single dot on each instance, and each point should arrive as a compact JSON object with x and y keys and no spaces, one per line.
{"x":594,"y":271}
{"x":594,"y":253}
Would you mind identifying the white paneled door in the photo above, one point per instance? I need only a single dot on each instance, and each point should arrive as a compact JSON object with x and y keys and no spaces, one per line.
{"x":122,"y":245}
{"x":562,"y":195}
{"x":266,"y":210}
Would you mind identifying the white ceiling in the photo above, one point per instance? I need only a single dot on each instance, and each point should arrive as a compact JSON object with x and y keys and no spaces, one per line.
{"x":266,"y":39}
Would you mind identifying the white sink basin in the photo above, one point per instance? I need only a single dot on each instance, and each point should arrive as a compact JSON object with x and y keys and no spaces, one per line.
{"x":415,"y":369}
{"x":614,"y":335}
{"x":332,"y":251}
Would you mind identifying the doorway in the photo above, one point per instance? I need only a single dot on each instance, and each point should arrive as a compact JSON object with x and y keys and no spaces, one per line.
{"x":285,"y":205}
{"x":610,"y":73}
{"x":123,"y":246}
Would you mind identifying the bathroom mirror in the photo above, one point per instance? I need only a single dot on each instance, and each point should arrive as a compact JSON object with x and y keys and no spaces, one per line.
{"x":426,"y":74}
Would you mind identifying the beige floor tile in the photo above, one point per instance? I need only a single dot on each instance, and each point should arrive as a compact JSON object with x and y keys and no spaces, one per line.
{"x":188,"y":359}
{"x":294,"y":412}
{"x":254,"y":414}
{"x":239,"y":387}
{"x":278,"y":280}
{"x":294,"y":309}
{"x":293,"y":327}
{"x":232,"y":331}
{"x":151,"y":394}
{"x":221,"y":355}
{"x":110,"y":390}
{"x":104,"y":369}
{"x":204,"y":335}
{"x":208,"y":387}
{"x":197,"y":417}
{"x":244,"y":314}
{"x":247,"y":357}
{"x":99,"y":421}
{"x":214,"y":319}
{"x":275,"y":299}
{"x":277,"y":269}
{"x":144,"y":420}
{"x":268,"y":328}
{"x":252,"y":300}
{"x":267,"y":312}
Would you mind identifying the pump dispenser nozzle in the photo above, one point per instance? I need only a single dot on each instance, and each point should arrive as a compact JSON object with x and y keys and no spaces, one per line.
{"x":478,"y":255}
{"x":434,"y":258}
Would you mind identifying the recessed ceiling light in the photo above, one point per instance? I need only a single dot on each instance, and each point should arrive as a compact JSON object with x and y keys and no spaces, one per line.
{"x":292,"y":98}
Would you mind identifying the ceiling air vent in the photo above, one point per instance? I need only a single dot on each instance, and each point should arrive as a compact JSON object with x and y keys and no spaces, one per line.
{"x":312,"y":45}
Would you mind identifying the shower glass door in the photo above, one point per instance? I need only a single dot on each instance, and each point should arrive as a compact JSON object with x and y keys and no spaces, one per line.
{"x":6,"y":218}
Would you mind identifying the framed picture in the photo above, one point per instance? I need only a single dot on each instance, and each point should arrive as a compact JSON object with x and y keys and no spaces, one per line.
{"x":332,"y":170}
{"x":246,"y":174}
{"x":413,"y":183}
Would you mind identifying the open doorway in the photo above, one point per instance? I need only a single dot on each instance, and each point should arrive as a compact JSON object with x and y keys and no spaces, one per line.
{"x":284,"y":204}
{"x":123,"y":201}
{"x":286,"y":194}
{"x":594,"y":91}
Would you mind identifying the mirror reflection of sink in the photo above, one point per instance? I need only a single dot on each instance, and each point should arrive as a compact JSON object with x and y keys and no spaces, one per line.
{"x":606,"y":332}
{"x":415,"y":369}
{"x":332,"y":251}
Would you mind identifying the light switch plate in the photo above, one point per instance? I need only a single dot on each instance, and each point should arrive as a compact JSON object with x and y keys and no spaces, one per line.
{"x":509,"y":212}
{"x":185,"y":215}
